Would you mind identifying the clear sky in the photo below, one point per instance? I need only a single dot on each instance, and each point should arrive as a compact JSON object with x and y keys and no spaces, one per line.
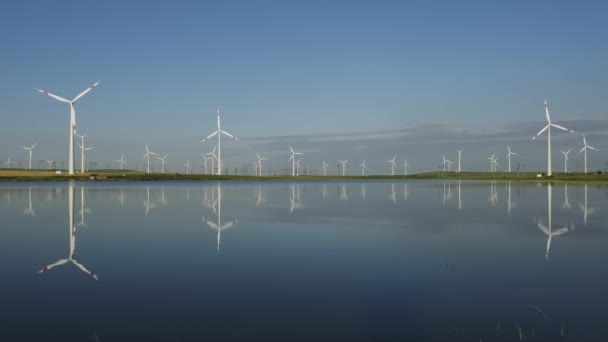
{"x":411,"y":78}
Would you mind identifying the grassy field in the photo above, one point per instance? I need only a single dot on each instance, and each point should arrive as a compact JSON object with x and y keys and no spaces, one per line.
{"x":20,"y":175}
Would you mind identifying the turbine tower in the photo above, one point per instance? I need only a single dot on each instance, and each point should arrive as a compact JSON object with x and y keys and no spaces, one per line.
{"x":147,"y":155}
{"x":324,"y":168}
{"x":72,"y":121}
{"x":30,"y":151}
{"x":363,"y":167}
{"x":459,"y":157}
{"x":584,"y":149}
{"x":393,"y":164}
{"x":293,"y":160}
{"x":219,"y":133}
{"x":122,"y":161}
{"x":343,"y":162}
{"x":566,"y":160}
{"x":509,"y":154}
{"x":548,"y":129}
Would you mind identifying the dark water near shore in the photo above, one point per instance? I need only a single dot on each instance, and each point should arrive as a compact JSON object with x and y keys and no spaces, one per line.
{"x":417,"y":261}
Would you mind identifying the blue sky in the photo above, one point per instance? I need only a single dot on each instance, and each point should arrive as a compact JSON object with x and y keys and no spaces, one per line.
{"x":309,"y":73}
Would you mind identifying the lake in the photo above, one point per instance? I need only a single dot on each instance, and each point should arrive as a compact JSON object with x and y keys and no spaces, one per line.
{"x":303,"y":261}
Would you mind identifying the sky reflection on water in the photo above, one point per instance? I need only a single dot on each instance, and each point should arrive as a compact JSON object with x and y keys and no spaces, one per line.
{"x":188,"y":261}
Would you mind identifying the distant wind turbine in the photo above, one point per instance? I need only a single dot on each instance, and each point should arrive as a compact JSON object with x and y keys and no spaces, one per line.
{"x":187,"y":166}
{"x":205,"y":159}
{"x":213,"y":157}
{"x":566,"y":160}
{"x":49,"y":164}
{"x":449,"y":162}
{"x":393,"y":165}
{"x":82,"y":150}
{"x":162,"y":165}
{"x":293,"y":160}
{"x":325,"y":165}
{"x":72,"y":121}
{"x":147,"y":156}
{"x":219,"y":133}
{"x":9,"y":163}
{"x":259,"y":167}
{"x":363,"y":167}
{"x":343,"y":162}
{"x":405,"y":166}
{"x":548,"y":129}
{"x":30,"y":151}
{"x":459,"y":157}
{"x":584,"y":149}
{"x":509,"y":154}
{"x":491,"y":159}
{"x":122,"y":161}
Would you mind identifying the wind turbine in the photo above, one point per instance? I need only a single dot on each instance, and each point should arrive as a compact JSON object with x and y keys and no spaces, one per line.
{"x":324,"y":168}
{"x":49,"y":163}
{"x":566,"y":160}
{"x":548,"y":129}
{"x":219,"y":133}
{"x":162,"y":165}
{"x":147,"y":155}
{"x":219,"y":226}
{"x":449,"y":162}
{"x":547,"y":229}
{"x":30,"y":151}
{"x":122,"y":161}
{"x":509,"y":154}
{"x":491,"y":159}
{"x":585,"y":148}
{"x":260,"y":163}
{"x":363,"y":167}
{"x":187,"y":166}
{"x":444,"y":162}
{"x":72,"y":237}
{"x":405,"y":166}
{"x":343,"y":162}
{"x":293,"y":160}
{"x":82,"y":151}
{"x":9,"y":163}
{"x":72,"y":121}
{"x":495,"y":163}
{"x":213,"y":157}
{"x":393,"y":165}
{"x":205,"y":159}
{"x":298,"y":167}
{"x":459,"y":157}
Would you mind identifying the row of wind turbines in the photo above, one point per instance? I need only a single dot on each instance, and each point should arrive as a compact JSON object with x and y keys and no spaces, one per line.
{"x":295,"y":163}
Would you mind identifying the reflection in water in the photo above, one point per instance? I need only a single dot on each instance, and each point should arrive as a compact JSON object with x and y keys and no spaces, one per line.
{"x":493,"y":194}
{"x":162,"y":201}
{"x":585,"y":209}
{"x":393,"y":194}
{"x":294,"y":200}
{"x":218,"y":211}
{"x":459,"y":195}
{"x":447,"y":194}
{"x":343,"y":194}
{"x":29,"y":211}
{"x":149,"y":205}
{"x":510,"y":204}
{"x":547,"y":229}
{"x":324,"y":191}
{"x":83,"y":209}
{"x":72,"y":238}
{"x":566,"y":203}
{"x":259,"y":197}
{"x":405,"y":192}
{"x":363,"y":191}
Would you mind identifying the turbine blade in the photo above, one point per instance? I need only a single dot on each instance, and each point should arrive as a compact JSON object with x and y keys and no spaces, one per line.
{"x":582,"y":149}
{"x":541,"y":131}
{"x":593,"y":148}
{"x":53,"y":96}
{"x":211,"y":135}
{"x":229,"y":135}
{"x":85,"y":92}
{"x":562,"y":128}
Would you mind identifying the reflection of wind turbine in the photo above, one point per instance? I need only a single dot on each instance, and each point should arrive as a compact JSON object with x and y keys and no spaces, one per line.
{"x":509,"y":154}
{"x":585,"y":148}
{"x":363,"y":191}
{"x":324,"y":168}
{"x":72,"y":234}
{"x":343,"y":193}
{"x":219,"y":226}
{"x":29,"y":211}
{"x":548,"y":129}
{"x":293,"y":160}
{"x":294,"y":200}
{"x":149,"y":205}
{"x":547,"y":229}
{"x":566,"y":204}
{"x":566,"y":160}
{"x":83,"y":209}
{"x":147,"y":155}
{"x":219,"y":133}
{"x":393,"y":194}
{"x":72,"y":121}
{"x":343,"y":162}
{"x":122,"y":161}
{"x":585,"y":209}
{"x":393,"y":164}
{"x":260,"y":197}
{"x":405,"y":192}
{"x":510,"y":204}
{"x":493,"y":194}
{"x":30,"y":151}
{"x":459,"y":196}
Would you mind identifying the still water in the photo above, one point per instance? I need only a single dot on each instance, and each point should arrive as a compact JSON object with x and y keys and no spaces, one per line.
{"x":408,"y":261}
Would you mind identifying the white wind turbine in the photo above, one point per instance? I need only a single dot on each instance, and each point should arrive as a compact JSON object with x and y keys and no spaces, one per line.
{"x":147,"y":156}
{"x":325,"y":165}
{"x":187,"y":166}
{"x":405,"y":166}
{"x":293,"y":160}
{"x":584,"y":149}
{"x":205,"y":159}
{"x":219,"y":133}
{"x":122,"y":161}
{"x":363,"y":167}
{"x":72,"y":237}
{"x":211,"y":155}
{"x":444,"y":162}
{"x":393,"y":165}
{"x":495,"y":163}
{"x":30,"y":151}
{"x":49,"y":163}
{"x":509,"y":154}
{"x":259,"y":167}
{"x":566,"y":160}
{"x":459,"y":157}
{"x":82,"y":151}
{"x":343,"y":162}
{"x":449,"y":162}
{"x":298,"y":167}
{"x":162,"y":161}
{"x":72,"y":121}
{"x":9,"y":163}
{"x":548,"y":129}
